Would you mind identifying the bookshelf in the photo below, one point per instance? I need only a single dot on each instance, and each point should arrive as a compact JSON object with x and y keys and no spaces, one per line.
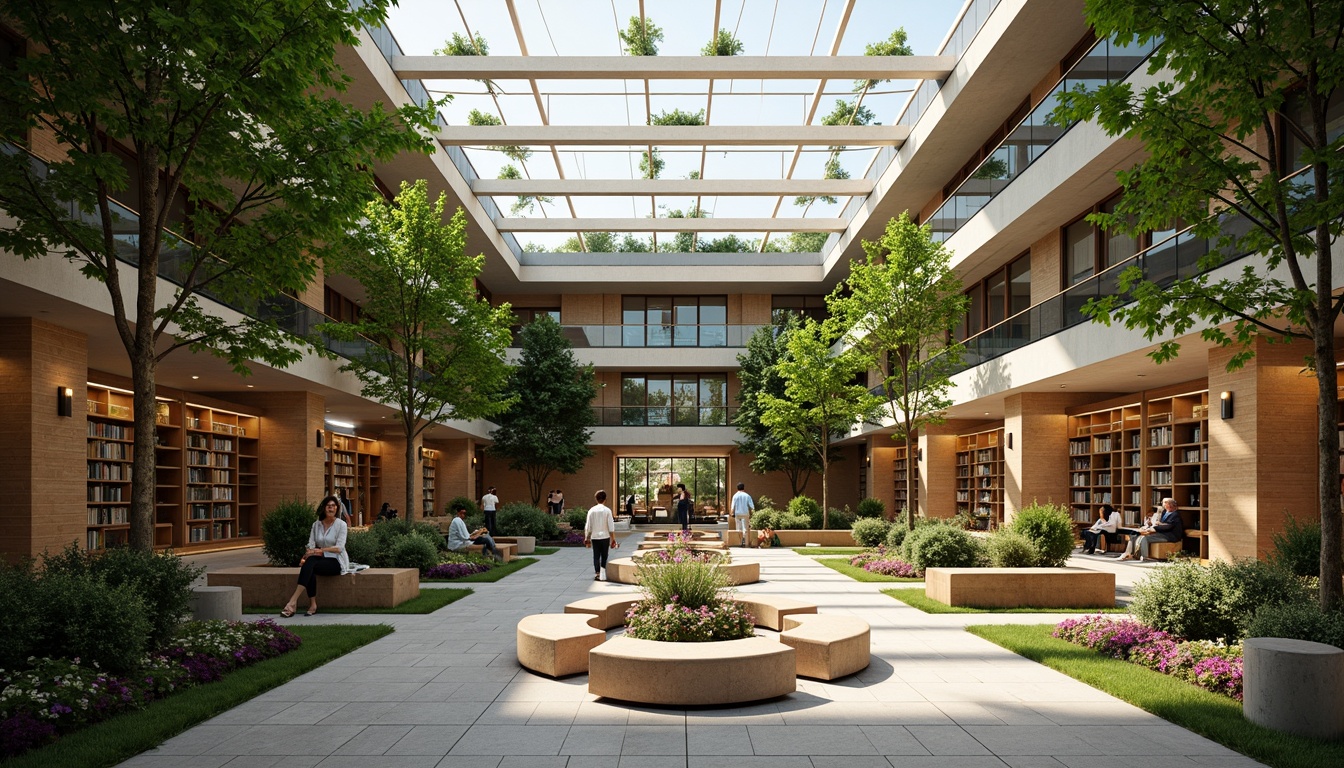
{"x":979,"y":489}
{"x":111,"y":434}
{"x":168,"y":475}
{"x":1135,"y":452}
{"x":428,"y":469}
{"x":221,"y":502}
{"x":904,"y":497}
{"x":355,"y":464}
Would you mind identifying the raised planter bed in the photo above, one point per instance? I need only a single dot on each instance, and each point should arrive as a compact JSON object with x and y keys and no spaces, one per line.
{"x":691,"y":674}
{"x":1020,"y":587}
{"x":270,"y":586}
{"x":624,"y":571}
{"x":798,"y":538}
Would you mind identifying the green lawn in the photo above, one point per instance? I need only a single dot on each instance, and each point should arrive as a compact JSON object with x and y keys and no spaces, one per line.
{"x":545,"y":550}
{"x":429,"y":601}
{"x":494,"y":574}
{"x":856,"y":573}
{"x":815,"y":551}
{"x":112,"y":741}
{"x":1208,"y":714}
{"x":915,"y":599}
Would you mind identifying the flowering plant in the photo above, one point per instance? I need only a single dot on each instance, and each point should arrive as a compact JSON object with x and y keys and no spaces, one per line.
{"x":680,"y":555}
{"x":1213,"y":666}
{"x":455,"y":570}
{"x":890,"y":567}
{"x":862,"y":559}
{"x":573,"y":537}
{"x":722,"y":619}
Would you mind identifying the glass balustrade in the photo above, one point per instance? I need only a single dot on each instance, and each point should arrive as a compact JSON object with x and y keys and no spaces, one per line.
{"x":665,"y":416}
{"x":656,"y":336}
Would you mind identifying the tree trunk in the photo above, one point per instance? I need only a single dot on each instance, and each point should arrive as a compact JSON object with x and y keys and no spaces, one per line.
{"x":1327,"y":413}
{"x":410,"y":479}
{"x":143,"y":472}
{"x":825,"y":480}
{"x":911,"y":475}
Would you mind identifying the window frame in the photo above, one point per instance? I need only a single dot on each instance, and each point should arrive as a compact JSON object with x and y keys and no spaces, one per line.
{"x":982,"y":287}
{"x":1100,"y":243}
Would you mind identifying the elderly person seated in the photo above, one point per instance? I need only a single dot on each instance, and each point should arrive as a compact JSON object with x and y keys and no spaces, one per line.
{"x":1108,"y":522}
{"x":1167,"y":528}
{"x":459,"y":538}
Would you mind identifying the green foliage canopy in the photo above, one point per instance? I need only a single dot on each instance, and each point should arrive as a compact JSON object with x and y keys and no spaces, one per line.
{"x":758,"y":374}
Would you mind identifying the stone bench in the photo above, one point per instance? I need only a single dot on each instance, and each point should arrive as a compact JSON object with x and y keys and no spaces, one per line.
{"x":557,"y":644}
{"x":372,"y":588}
{"x":695,"y":534}
{"x":691,"y":674}
{"x":506,"y":551}
{"x":608,"y":611}
{"x":698,"y":544}
{"x":827,"y":646}
{"x":208,"y":603}
{"x":624,"y":571}
{"x":1295,"y":686}
{"x":1020,"y":587}
{"x":526,"y":545}
{"x":796,"y":538}
{"x":769,"y":610}
{"x":1161,"y":550}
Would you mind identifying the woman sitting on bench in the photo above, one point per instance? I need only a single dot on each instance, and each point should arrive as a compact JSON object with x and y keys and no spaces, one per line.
{"x":325,"y":556}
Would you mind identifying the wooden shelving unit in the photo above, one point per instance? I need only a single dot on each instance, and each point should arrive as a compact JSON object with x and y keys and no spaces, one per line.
{"x":220,"y":504}
{"x":428,"y":469}
{"x":1134,"y":453}
{"x":904,"y":497}
{"x":355,"y":464}
{"x":168,"y":475}
{"x":980,"y":477}
{"x":110,"y":437}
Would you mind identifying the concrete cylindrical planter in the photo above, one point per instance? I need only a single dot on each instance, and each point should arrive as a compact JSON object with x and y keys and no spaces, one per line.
{"x":1295,"y":686}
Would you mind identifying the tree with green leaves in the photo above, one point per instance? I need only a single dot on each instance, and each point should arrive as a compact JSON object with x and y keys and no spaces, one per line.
{"x":844,"y":113}
{"x":895,"y":45}
{"x":524,"y":202}
{"x":899,"y":308}
{"x":464,"y":45}
{"x":677,"y":117}
{"x":641,"y":37}
{"x":439,"y":348}
{"x":822,"y":397}
{"x":758,"y":373}
{"x":512,"y":151}
{"x":1241,"y":100}
{"x":651,"y":164}
{"x":723,"y":44}
{"x":220,"y":122}
{"x":549,"y":428}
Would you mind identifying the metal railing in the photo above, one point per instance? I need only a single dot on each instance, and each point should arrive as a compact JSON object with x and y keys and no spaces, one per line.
{"x":665,"y":416}
{"x":655,"y":336}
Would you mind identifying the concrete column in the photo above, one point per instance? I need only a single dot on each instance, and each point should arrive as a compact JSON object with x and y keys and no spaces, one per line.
{"x":938,"y":468}
{"x":1262,"y":461}
{"x":394,"y":474}
{"x":291,"y":463}
{"x":881,"y":473}
{"x":1036,"y":468}
{"x":42,"y":455}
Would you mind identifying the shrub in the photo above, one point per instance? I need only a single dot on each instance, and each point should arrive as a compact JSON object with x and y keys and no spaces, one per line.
{"x":890,"y":567}
{"x":455,"y":570}
{"x":765,"y":517}
{"x":416,"y":551}
{"x":23,"y":615}
{"x":870,"y":507}
{"x":162,"y":581}
{"x":388,"y":531}
{"x":362,"y":547}
{"x":870,"y":531}
{"x":1180,"y":599}
{"x":1298,"y":621}
{"x":83,"y":617}
{"x":940,"y":546}
{"x":285,"y":531}
{"x":690,"y":584}
{"x":521,"y":519}
{"x":1298,"y":549}
{"x":836,"y":520}
{"x":1245,"y":585}
{"x":577,"y":519}
{"x":676,"y":623}
{"x":807,"y":507}
{"x":1009,"y":549}
{"x":896,"y":535}
{"x":473,"y":510}
{"x":788,"y":521}
{"x":1050,"y":528}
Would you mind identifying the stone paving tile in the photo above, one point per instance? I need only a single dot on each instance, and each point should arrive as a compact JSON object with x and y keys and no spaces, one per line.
{"x":445,"y":690}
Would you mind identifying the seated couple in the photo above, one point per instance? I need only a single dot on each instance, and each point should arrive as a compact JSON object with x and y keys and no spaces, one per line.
{"x":1164,"y":526}
{"x":459,"y":538}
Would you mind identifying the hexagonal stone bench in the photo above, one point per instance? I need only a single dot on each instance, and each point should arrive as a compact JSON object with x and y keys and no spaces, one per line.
{"x":828,"y":646}
{"x":557,"y":644}
{"x":624,"y":571}
{"x":691,"y":674}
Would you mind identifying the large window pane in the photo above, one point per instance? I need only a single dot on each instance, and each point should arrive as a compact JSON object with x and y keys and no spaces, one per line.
{"x":1019,"y":285}
{"x":659,"y":400}
{"x":975,"y":315}
{"x":685,"y":400}
{"x":714,"y":321}
{"x":713,"y":396}
{"x":1119,"y":245}
{"x":686,"y":317}
{"x":632,"y":321}
{"x":997,"y":300}
{"x":1080,"y":252}
{"x":658,"y":317}
{"x":632,"y":400}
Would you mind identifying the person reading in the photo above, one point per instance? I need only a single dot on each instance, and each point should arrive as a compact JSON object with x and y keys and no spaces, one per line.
{"x":459,"y":538}
{"x":1107,"y":524}
{"x":1168,"y":527}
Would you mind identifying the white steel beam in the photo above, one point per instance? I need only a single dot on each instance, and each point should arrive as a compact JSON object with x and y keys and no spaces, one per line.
{"x":688,"y":187}
{"x":670,"y":225}
{"x":675,"y":135}
{"x":673,"y":67}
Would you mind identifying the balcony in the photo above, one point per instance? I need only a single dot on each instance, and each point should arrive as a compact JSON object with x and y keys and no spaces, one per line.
{"x":656,"y":336}
{"x":665,"y":416}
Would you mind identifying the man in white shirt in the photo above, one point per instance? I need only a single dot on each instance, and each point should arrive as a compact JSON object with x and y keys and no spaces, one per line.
{"x":742,"y":506}
{"x":599,"y":533}
{"x":489,"y":503}
{"x":459,"y":538}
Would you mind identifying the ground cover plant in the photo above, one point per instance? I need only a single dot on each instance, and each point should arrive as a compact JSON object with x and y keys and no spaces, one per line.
{"x":1211,"y":715}
{"x":496,"y":572}
{"x":858,"y":573}
{"x":428,"y":601}
{"x":915,"y":598}
{"x":1211,"y":666}
{"x":686,"y":601}
{"x":48,"y":697}
{"x":123,"y":736}
{"x":681,"y":549}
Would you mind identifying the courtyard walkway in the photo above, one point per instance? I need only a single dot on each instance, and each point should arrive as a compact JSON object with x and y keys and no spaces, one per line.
{"x":445,"y":691}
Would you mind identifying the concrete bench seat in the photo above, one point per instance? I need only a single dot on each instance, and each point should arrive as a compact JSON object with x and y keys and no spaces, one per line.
{"x":608,"y":610}
{"x":691,"y":674}
{"x":557,"y":644}
{"x":827,"y":646}
{"x":372,"y":588}
{"x":506,"y":551}
{"x":770,"y":610}
{"x":696,"y":534}
{"x":1020,"y":587}
{"x":697,"y":544}
{"x":623,"y":570}
{"x":526,"y":545}
{"x":1162,"y":550}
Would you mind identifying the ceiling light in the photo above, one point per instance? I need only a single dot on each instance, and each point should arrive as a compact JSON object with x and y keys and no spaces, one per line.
{"x":250,"y":386}
{"x":345,"y":424}
{"x":193,"y":378}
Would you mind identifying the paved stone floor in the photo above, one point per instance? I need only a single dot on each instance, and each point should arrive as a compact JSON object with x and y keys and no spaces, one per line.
{"x":445,"y":691}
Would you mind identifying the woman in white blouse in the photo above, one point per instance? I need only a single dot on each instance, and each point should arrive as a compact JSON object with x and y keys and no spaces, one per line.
{"x":325,"y":556}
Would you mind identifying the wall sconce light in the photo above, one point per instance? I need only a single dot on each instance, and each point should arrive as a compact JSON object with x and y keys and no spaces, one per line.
{"x":1010,"y":441}
{"x":420,"y":453}
{"x":919,"y":454}
{"x":475,"y":460}
{"x":319,"y":438}
{"x":65,"y":401}
{"x":1226,"y":398}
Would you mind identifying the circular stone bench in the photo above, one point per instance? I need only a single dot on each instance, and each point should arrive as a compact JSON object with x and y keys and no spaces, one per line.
{"x":687,"y":674}
{"x":624,"y":571}
{"x":607,"y":611}
{"x":209,"y":603}
{"x":828,"y":646}
{"x":702,"y":544}
{"x":1294,"y":686}
{"x":695,"y":534}
{"x":770,"y":610}
{"x":557,"y":644}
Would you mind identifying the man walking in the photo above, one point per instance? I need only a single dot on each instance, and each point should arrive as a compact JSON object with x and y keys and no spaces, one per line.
{"x":599,"y":534}
{"x":489,"y":503}
{"x":742,"y":506}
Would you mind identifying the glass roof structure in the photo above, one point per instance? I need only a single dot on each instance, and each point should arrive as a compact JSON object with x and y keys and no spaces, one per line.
{"x":558,"y":121}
